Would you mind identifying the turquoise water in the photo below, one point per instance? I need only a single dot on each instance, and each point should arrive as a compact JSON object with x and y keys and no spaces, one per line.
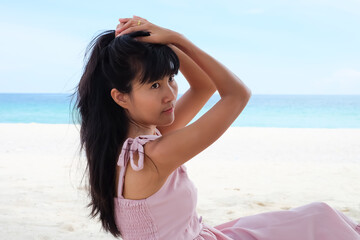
{"x":289,"y":111}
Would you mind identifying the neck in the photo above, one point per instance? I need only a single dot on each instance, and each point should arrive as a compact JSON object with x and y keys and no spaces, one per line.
{"x":136,"y":130}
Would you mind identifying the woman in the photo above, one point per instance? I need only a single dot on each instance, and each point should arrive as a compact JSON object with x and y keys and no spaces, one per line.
{"x":137,"y":139}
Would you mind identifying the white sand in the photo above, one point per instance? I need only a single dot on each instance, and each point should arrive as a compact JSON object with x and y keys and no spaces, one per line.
{"x":247,"y":171}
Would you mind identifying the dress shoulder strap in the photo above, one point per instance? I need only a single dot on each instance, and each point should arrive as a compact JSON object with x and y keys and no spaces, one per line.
{"x":130,"y":146}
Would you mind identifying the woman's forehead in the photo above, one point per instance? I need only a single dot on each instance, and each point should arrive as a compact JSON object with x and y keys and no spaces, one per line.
{"x":137,"y":84}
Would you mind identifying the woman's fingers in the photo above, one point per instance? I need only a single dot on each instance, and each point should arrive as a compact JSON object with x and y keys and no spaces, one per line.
{"x":134,"y":24}
{"x":124,"y":19}
{"x":126,"y":25}
{"x":133,"y":29}
{"x":119,"y":25}
{"x":127,"y":22}
{"x":137,"y":17}
{"x":131,"y":23}
{"x":140,"y":20}
{"x":157,"y":34}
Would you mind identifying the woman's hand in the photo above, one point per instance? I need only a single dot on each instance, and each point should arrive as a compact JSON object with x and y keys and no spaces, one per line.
{"x":157,"y":34}
{"x":118,"y":27}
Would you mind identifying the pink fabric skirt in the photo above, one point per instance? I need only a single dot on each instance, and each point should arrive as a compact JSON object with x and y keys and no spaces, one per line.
{"x":315,"y":221}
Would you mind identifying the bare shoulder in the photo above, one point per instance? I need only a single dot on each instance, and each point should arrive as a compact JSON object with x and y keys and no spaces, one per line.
{"x":174,"y":148}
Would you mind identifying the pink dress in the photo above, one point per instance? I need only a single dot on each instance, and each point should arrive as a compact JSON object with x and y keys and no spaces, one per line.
{"x":170,"y":213}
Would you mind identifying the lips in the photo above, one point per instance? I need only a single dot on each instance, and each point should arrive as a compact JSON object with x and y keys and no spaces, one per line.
{"x":169,"y":109}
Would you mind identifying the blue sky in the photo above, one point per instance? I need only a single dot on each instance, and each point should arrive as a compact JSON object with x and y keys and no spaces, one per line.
{"x":275,"y":47}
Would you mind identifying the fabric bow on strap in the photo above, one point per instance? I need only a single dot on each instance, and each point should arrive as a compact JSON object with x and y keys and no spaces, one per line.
{"x":130,"y":146}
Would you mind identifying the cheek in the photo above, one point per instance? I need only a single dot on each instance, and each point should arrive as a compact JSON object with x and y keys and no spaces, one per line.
{"x":139,"y":102}
{"x":175,"y":88}
{"x":148,"y":102}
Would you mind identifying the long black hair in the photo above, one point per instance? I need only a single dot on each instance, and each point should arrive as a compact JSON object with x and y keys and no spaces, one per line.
{"x":114,"y":62}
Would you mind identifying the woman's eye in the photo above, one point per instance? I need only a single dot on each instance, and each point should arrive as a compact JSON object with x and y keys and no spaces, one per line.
{"x":155,"y":85}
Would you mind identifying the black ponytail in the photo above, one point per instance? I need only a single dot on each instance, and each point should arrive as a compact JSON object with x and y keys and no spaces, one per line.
{"x":113,"y":63}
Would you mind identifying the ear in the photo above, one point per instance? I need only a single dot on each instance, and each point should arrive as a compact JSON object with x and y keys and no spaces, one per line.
{"x":122,"y":99}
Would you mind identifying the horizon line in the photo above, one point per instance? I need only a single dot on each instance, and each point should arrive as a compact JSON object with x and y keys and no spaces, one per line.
{"x":216,"y":93}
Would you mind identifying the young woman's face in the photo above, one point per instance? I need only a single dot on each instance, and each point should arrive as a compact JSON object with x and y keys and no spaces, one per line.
{"x":149,"y":102}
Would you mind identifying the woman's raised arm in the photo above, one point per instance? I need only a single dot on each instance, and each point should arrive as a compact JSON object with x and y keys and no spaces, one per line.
{"x":175,"y":148}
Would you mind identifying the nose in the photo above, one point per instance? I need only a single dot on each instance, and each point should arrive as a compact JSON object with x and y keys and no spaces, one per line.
{"x":171,"y":91}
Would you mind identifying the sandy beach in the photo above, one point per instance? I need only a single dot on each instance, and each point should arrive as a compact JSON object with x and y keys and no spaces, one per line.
{"x":247,"y":171}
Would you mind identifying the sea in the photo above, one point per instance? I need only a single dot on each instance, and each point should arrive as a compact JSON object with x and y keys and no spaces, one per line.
{"x":280,"y":111}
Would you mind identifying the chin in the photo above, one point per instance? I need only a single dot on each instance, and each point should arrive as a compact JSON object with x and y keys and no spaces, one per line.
{"x":168,"y":123}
